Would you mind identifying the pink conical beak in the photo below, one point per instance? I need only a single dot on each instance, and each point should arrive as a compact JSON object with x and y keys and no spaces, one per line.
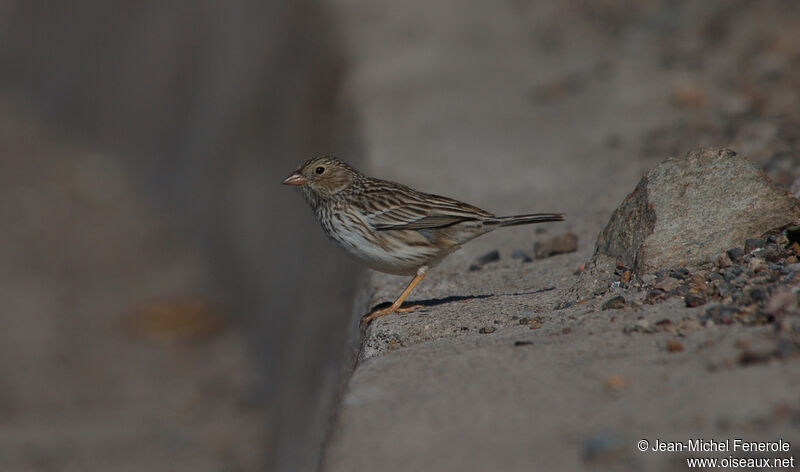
{"x":295,"y":179}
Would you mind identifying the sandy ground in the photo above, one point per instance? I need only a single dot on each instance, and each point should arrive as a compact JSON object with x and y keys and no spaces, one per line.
{"x":547,"y":106}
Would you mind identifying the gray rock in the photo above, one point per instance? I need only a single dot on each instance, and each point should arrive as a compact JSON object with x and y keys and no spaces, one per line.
{"x":614,"y":303}
{"x":487,"y":258}
{"x":693,"y":300}
{"x":735,"y":254}
{"x":725,"y":289}
{"x":752,"y":244}
{"x":724,"y":260}
{"x":686,"y":211}
{"x":793,"y":267}
{"x":491,"y":256}
{"x":561,"y":244}
{"x":667,"y":284}
{"x":720,"y":314}
{"x":518,"y":254}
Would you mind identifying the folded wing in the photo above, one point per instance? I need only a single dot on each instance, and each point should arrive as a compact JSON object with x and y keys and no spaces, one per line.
{"x":401,"y":208}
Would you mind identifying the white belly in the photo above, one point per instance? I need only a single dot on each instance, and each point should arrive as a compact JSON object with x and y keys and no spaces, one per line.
{"x":399,"y":252}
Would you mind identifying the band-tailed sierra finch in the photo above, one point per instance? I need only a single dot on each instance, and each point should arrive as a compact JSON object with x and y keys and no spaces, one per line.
{"x":390,"y":227}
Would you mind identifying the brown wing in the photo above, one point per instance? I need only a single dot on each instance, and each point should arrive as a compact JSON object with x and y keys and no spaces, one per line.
{"x":393,"y":206}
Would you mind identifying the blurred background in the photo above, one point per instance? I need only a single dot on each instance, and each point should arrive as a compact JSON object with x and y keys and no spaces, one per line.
{"x":167,"y":305}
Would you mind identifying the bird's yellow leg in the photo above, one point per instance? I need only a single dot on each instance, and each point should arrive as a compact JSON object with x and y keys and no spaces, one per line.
{"x":396,"y":306}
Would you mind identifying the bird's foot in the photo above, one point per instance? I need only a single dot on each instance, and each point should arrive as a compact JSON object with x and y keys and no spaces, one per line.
{"x":367,"y":319}
{"x":409,"y":309}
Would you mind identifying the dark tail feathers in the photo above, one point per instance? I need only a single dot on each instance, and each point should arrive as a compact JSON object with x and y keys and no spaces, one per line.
{"x":528,"y":219}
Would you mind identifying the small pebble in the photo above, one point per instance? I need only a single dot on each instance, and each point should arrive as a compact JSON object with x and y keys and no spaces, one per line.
{"x":757,"y":265}
{"x":680,"y":274}
{"x":665,"y":325}
{"x":490,"y":256}
{"x":614,"y":382}
{"x":667,"y":284}
{"x":688,"y":325}
{"x":725,"y":289}
{"x":768,"y":254}
{"x":565,"y":243}
{"x":698,"y":281}
{"x":720,"y":314}
{"x":753,"y":244}
{"x":604,"y":448}
{"x":655,"y":295}
{"x":757,"y":295}
{"x":614,"y":303}
{"x":673,"y":345}
{"x":758,"y":355}
{"x":522,"y":343}
{"x":518,"y":254}
{"x":487,"y":330}
{"x":735,"y":254}
{"x":693,"y":300}
{"x":521,"y":255}
{"x":680,"y":290}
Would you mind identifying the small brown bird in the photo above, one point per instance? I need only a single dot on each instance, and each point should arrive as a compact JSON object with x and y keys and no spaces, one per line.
{"x":390,"y":227}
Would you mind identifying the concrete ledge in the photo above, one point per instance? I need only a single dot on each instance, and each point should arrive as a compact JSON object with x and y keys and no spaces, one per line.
{"x":491,"y":107}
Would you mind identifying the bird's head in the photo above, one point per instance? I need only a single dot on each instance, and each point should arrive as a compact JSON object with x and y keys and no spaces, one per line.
{"x":322,"y":177}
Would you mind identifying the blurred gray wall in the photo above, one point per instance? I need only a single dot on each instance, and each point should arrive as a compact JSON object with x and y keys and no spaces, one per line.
{"x":210,"y":104}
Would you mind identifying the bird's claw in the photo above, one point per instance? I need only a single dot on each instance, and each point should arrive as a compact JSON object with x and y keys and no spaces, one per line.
{"x":367,"y":319}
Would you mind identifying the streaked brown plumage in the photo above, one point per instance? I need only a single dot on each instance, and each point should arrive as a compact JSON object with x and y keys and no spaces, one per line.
{"x":390,"y":227}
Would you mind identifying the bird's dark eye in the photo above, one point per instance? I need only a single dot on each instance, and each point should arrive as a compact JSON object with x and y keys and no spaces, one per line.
{"x":319,"y":170}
